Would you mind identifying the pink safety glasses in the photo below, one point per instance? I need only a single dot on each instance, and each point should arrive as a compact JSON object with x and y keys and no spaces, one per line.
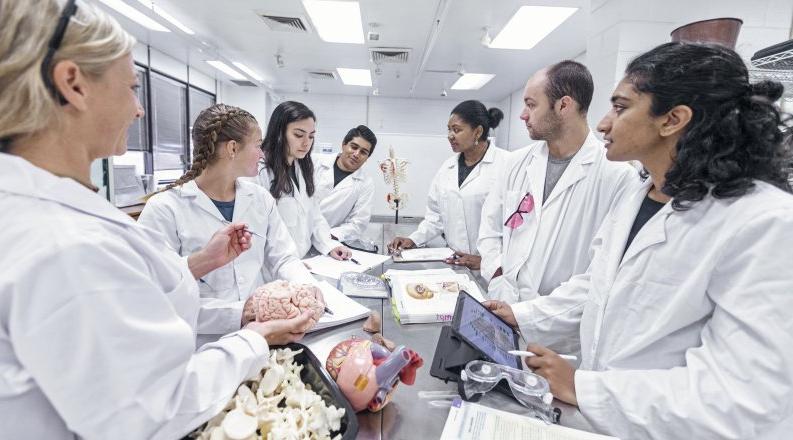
{"x":526,"y":206}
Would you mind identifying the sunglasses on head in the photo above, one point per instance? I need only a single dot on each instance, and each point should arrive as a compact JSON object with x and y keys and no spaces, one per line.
{"x":55,"y":42}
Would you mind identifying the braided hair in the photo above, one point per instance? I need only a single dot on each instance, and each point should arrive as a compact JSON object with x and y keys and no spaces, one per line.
{"x":214,"y":125}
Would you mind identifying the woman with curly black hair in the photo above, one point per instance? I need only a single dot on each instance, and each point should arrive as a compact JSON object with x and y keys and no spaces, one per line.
{"x":683,"y":317}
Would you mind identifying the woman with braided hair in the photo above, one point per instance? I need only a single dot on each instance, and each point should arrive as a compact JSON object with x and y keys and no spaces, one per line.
{"x":683,"y":318}
{"x":288,"y":173}
{"x":97,"y":316}
{"x":212,"y":192}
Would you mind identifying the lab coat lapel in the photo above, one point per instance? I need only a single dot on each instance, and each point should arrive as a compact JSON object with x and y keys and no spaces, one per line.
{"x":522,"y":239}
{"x":191,"y":189}
{"x":577,"y":169}
{"x":653,"y":232}
{"x":476,"y":172}
{"x":242,"y":201}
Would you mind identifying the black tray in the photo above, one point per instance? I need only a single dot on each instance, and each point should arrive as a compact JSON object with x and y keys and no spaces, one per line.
{"x":315,"y":375}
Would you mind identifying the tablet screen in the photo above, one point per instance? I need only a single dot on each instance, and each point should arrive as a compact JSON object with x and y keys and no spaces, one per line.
{"x":485,"y":331}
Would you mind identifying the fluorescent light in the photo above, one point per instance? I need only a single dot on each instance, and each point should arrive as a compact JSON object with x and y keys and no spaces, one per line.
{"x":247,"y":70}
{"x":170,"y":18}
{"x":223,"y":67}
{"x":472,"y":81}
{"x":336,"y":21}
{"x":530,"y":25}
{"x":355,"y":77}
{"x":135,"y":15}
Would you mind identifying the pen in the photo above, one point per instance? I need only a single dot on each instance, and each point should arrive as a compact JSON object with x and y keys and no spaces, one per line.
{"x":327,"y":310}
{"x":354,"y":261}
{"x":246,"y":229}
{"x":522,"y":353}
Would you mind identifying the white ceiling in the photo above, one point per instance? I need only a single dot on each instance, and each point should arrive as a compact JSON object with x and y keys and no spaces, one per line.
{"x":232,"y":29}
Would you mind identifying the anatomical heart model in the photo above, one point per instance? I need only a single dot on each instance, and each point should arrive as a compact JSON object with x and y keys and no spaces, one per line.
{"x":368,"y":372}
{"x":394,"y":171}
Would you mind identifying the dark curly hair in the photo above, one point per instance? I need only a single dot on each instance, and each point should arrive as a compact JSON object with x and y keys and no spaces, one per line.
{"x":735,"y":135}
{"x":276,"y":149}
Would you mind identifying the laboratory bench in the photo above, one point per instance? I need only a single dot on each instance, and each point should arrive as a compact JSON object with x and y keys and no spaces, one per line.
{"x":411,"y":414}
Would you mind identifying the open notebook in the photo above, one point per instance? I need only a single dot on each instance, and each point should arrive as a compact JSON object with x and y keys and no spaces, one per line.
{"x":344,"y":308}
{"x":329,"y":267}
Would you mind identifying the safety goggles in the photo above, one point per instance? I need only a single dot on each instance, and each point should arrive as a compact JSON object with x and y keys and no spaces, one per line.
{"x":525,"y":206}
{"x":55,"y":42}
{"x":531,"y":390}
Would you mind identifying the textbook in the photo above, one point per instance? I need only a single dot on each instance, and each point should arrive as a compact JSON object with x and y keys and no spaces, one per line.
{"x":343,"y":308}
{"x":425,"y":296}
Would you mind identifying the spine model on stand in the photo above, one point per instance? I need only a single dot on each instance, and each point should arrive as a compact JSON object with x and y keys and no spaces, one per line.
{"x":394,"y":170}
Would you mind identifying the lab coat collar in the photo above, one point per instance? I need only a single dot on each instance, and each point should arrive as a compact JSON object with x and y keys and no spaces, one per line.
{"x":653,"y":232}
{"x":242,"y":200}
{"x":577,"y":169}
{"x":326,"y":162}
{"x":20,"y":177}
{"x":489,"y":157}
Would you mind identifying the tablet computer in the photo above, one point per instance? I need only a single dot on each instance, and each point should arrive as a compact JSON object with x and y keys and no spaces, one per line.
{"x":485,"y":331}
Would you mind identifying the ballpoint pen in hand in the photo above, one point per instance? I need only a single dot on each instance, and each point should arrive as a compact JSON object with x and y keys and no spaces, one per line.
{"x":246,"y":228}
{"x":521,"y":353}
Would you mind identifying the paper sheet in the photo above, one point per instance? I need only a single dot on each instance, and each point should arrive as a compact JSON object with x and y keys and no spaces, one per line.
{"x":471,"y":421}
{"x":329,"y":267}
{"x":424,"y":254}
{"x":344,"y":309}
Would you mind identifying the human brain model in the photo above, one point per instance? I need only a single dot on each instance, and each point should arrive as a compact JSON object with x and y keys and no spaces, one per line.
{"x":283,"y":300}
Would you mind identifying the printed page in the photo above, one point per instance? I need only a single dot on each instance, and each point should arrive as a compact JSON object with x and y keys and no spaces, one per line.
{"x":471,"y":421}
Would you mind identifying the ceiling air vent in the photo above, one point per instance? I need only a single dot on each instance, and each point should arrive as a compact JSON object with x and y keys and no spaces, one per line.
{"x":243,"y":83}
{"x":321,"y":74}
{"x":283,"y":23}
{"x":394,"y":55}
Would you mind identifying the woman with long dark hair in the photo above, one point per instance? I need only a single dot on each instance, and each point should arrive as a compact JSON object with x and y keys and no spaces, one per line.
{"x":683,"y":317}
{"x":288,"y":173}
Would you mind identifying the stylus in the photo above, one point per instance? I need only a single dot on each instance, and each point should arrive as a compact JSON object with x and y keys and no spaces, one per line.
{"x":522,"y":353}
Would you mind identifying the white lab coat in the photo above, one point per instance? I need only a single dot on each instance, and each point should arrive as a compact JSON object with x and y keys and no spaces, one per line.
{"x":553,"y":242}
{"x":689,"y":334}
{"x":348,"y":206}
{"x":455,"y":211}
{"x":187,"y":218}
{"x":302,"y":216}
{"x":97,"y":321}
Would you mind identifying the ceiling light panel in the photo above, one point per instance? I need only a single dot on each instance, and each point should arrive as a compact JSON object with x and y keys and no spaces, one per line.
{"x":168,"y":17}
{"x":355,"y":77}
{"x":336,"y":21}
{"x":135,"y":15}
{"x":530,"y":25}
{"x":225,"y":68}
{"x":248,"y":70}
{"x":472,"y":81}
